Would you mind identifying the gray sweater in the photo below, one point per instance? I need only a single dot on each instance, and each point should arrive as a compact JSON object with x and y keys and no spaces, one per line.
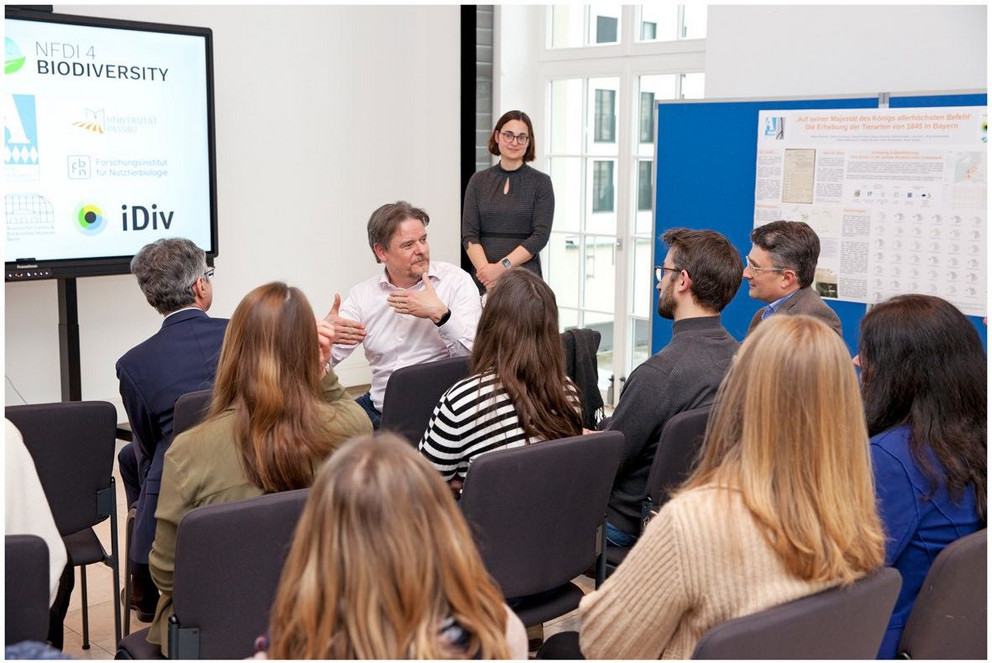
{"x":684,"y":375}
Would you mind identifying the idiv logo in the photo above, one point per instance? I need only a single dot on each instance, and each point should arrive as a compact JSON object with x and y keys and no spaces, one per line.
{"x":142,"y":217}
{"x":90,"y":219}
{"x":14,"y":59}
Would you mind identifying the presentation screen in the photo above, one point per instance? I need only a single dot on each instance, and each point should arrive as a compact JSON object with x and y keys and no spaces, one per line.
{"x":108,"y":142}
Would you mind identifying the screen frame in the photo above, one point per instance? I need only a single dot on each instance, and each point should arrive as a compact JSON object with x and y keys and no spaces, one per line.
{"x":21,"y":270}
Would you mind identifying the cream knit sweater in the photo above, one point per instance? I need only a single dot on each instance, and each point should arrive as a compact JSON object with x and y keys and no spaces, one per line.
{"x":701,"y":562}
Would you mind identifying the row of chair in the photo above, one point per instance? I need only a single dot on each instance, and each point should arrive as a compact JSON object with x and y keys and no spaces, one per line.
{"x":226,"y":574}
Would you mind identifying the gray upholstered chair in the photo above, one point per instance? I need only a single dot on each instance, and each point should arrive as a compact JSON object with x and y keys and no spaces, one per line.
{"x":950,"y":615}
{"x":73,"y":447}
{"x":845,"y":622}
{"x":228,"y":561}
{"x":674,"y":459}
{"x":413,"y":392}
{"x":537,"y":514}
{"x":26,"y":589}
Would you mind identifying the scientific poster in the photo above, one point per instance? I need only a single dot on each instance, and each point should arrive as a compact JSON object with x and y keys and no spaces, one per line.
{"x":897,"y":196}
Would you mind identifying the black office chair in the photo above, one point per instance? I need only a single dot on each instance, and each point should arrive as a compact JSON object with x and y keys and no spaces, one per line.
{"x":72,"y":445}
{"x":26,"y":589}
{"x":413,"y":392}
{"x":228,"y":561}
{"x":190,"y":409}
{"x":674,"y":459}
{"x":844,"y":622}
{"x":537,"y":514}
{"x":840,"y":623}
{"x":950,"y":615}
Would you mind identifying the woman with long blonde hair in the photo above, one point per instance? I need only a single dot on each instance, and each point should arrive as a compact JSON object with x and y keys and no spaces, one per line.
{"x":781,"y":505}
{"x":382,"y":566}
{"x":276,"y":412}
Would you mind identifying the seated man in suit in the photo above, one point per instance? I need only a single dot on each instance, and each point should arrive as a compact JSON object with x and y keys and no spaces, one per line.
{"x":414,"y":311}
{"x":181,"y":357}
{"x":780,"y":271}
{"x":698,"y":278}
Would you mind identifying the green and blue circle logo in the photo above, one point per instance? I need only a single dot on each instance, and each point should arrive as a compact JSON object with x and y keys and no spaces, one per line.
{"x":90,"y":219}
{"x":14,"y":59}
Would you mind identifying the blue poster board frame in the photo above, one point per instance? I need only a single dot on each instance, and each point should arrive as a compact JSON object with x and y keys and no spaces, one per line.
{"x":705,"y":177}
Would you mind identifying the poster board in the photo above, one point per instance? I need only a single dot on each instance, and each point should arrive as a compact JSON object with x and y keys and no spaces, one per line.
{"x":705,"y":178}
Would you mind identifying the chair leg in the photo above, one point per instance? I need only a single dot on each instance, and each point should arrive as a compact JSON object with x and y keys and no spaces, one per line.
{"x":115,"y":567}
{"x":128,"y":532}
{"x":86,"y":608}
{"x":601,"y":557}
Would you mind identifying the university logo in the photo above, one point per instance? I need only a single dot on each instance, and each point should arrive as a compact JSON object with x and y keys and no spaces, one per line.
{"x":93,"y":121}
{"x":14,"y":59}
{"x":90,"y":219}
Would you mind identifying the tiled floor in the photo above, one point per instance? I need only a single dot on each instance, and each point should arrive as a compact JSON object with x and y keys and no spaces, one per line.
{"x":101,"y":608}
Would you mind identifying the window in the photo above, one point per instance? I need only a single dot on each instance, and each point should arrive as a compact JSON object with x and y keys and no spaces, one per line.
{"x":649,"y":31}
{"x":606,"y":116}
{"x":576,"y":26}
{"x":644,"y":190}
{"x":602,"y":186}
{"x":606,"y":29}
{"x":646,"y":119}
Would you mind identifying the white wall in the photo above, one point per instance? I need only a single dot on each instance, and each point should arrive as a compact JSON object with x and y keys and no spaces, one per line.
{"x":767,"y":51}
{"x":322,"y":114}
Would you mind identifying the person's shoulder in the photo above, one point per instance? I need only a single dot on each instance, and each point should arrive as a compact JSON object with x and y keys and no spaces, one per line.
{"x":895,"y":440}
{"x":204,"y":438}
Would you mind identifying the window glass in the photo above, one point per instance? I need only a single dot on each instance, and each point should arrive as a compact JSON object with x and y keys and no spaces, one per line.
{"x":566,"y":177}
{"x":566,"y":116}
{"x":692,"y":86}
{"x":603,"y":185}
{"x":644,"y":191}
{"x":563,"y":268}
{"x":567,"y":23}
{"x":693,"y":21}
{"x":640,"y":342}
{"x":605,"y":120}
{"x":604,"y":24}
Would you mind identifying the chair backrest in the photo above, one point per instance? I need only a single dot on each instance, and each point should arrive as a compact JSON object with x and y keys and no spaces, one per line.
{"x":844,"y":622}
{"x":949,"y":617}
{"x":26,"y":587}
{"x":676,"y":455}
{"x":73,"y":448}
{"x":534,"y":511}
{"x":413,"y":392}
{"x":190,"y":410}
{"x":228,"y":561}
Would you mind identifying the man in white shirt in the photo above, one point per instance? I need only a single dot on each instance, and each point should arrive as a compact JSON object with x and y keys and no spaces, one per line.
{"x":414,"y":311}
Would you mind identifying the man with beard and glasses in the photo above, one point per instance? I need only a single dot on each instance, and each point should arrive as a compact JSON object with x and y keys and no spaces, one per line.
{"x":698,"y":278}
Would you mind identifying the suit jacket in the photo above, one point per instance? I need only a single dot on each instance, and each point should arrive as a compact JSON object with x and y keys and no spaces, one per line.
{"x":204,"y":467}
{"x":807,"y":302}
{"x":181,"y":357}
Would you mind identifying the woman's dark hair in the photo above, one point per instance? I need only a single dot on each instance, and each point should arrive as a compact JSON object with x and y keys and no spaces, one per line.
{"x":922,"y":364}
{"x":513,"y":115}
{"x":518,"y":340}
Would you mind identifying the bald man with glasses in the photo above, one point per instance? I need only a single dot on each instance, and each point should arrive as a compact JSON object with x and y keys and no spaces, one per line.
{"x":780,"y":269}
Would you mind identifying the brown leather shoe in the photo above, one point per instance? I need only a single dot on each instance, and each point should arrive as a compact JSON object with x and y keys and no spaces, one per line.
{"x":144,"y":597}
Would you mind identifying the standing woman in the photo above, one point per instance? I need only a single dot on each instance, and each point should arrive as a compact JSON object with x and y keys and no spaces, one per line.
{"x":276,"y":412}
{"x":509,"y":207}
{"x":923,"y":381}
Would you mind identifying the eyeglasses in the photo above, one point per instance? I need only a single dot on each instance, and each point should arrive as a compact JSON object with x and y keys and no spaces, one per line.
{"x":757,"y":270}
{"x":511,"y":137}
{"x":209,"y":274}
{"x":659,"y":271}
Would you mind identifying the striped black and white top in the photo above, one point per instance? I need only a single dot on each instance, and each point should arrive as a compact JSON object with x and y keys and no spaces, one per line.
{"x":474,"y":416}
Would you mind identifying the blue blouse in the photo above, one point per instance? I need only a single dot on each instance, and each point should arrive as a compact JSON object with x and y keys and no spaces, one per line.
{"x":916,"y":529}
